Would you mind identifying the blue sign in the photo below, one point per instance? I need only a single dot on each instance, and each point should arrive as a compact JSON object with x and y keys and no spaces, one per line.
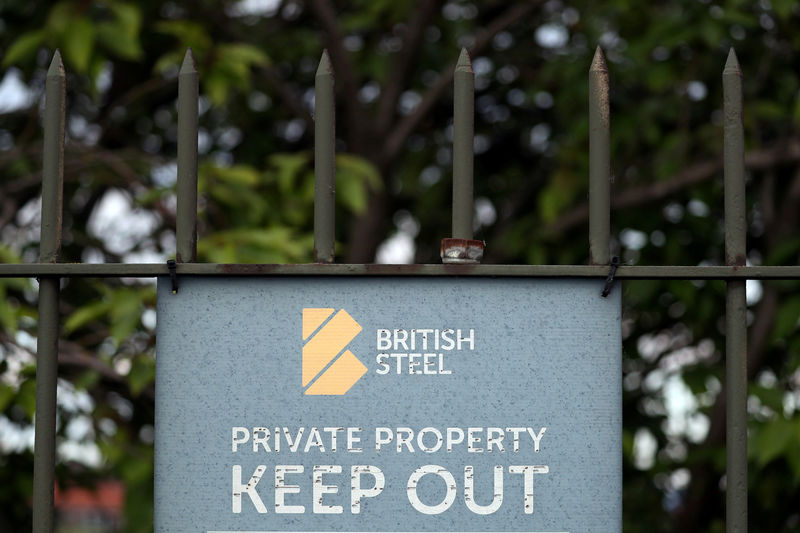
{"x":388,"y":404}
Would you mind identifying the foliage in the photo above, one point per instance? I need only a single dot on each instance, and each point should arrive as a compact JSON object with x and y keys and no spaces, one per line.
{"x":392,"y":61}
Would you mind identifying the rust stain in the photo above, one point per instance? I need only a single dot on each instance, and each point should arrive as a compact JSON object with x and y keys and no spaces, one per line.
{"x":249,"y":269}
{"x":739,"y":260}
{"x":461,"y":251}
{"x":372,"y":268}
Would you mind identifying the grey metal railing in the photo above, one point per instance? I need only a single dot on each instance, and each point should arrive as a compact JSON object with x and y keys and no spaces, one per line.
{"x":49,"y":271}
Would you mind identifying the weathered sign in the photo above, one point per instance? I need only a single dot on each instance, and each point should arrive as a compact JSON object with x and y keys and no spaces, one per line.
{"x":388,"y":404}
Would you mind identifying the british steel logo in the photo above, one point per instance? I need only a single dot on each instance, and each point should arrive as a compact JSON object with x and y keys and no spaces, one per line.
{"x":328,"y":367}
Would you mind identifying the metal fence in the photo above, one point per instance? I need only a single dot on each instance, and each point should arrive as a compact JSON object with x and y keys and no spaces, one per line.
{"x":460,"y":253}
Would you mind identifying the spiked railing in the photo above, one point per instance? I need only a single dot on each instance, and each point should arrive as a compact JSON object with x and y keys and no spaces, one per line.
{"x":460,"y":248}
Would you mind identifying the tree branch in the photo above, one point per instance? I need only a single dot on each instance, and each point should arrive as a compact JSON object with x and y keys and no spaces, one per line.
{"x":287,"y":96}
{"x":401,"y":66}
{"x":407,"y":125}
{"x":635,"y":196}
{"x":343,"y":68}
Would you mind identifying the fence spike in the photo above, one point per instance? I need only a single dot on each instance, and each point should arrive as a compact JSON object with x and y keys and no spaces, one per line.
{"x":599,"y":162}
{"x":186,"y":230}
{"x":53,"y":161}
{"x":735,"y":299}
{"x":463,"y":145}
{"x":324,"y":161}
{"x":47,"y":342}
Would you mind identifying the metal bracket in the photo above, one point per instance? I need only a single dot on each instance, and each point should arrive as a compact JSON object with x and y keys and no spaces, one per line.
{"x":173,"y":274}
{"x":612,"y":271}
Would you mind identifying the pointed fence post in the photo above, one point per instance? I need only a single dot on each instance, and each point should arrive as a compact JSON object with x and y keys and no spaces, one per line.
{"x":324,"y":162}
{"x":461,"y":247}
{"x":186,"y":230}
{"x":47,"y":342}
{"x":463,"y":146}
{"x":735,"y":300}
{"x":599,"y":162}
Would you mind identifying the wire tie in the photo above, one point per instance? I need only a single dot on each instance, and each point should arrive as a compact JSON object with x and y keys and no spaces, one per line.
{"x":612,"y":271}
{"x":173,"y":274}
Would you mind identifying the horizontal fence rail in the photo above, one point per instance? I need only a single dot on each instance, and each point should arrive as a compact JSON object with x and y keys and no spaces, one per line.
{"x":460,"y":253}
{"x":632,"y":272}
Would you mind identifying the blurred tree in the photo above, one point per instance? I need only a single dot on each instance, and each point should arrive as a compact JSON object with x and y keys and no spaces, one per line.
{"x":393,"y":62}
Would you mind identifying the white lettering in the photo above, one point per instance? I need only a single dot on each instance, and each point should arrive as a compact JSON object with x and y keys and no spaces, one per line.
{"x":469,"y":491}
{"x":451,"y":440}
{"x":282,"y":489}
{"x":236,"y":440}
{"x":494,"y":437}
{"x":536,"y":438}
{"x":382,"y":436}
{"x":293,"y":444}
{"x":264,"y":432}
{"x":437,"y":445}
{"x":413,"y":363}
{"x":384,"y":339}
{"x":470,"y":339}
{"x":515,"y":438}
{"x":353,"y":438}
{"x":381,"y":360}
{"x":400,"y":337}
{"x":404,"y":436}
{"x":356,"y":492}
{"x":447,"y":338}
{"x":472,"y":440}
{"x":529,"y":471}
{"x":249,"y":489}
{"x":314,"y":439}
{"x":319,"y":489}
{"x":424,"y":333}
{"x":449,"y":497}
{"x":332,"y":432}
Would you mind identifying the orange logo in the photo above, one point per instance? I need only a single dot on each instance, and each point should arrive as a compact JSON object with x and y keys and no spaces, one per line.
{"x":325,"y":342}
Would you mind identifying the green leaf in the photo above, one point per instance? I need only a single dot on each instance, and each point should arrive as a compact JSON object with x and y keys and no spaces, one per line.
{"x":8,"y":311}
{"x":354,"y":177}
{"x":168,"y":61}
{"x":217,"y":86}
{"x":773,"y":440}
{"x":241,"y":53}
{"x":366,"y":171}
{"x":190,"y":34}
{"x":557,"y":195}
{"x":129,"y":17}
{"x":238,"y":174}
{"x":79,"y":42}
{"x":289,"y":167}
{"x":784,"y":252}
{"x":85,"y":314}
{"x":60,"y":18}
{"x":126,"y":310}
{"x":786,"y":319}
{"x":87,"y":380}
{"x":6,"y":395}
{"x":270,"y":245}
{"x":121,"y":35}
{"x":793,"y":453}
{"x":142,"y":374}
{"x":771,"y":397}
{"x":26,"y":397}
{"x":783,"y":8}
{"x":24,"y":47}
{"x":8,"y":256}
{"x":118,"y":42}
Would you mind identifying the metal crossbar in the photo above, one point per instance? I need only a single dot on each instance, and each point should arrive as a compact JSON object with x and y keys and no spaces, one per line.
{"x":456,"y":254}
{"x":631,"y":272}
